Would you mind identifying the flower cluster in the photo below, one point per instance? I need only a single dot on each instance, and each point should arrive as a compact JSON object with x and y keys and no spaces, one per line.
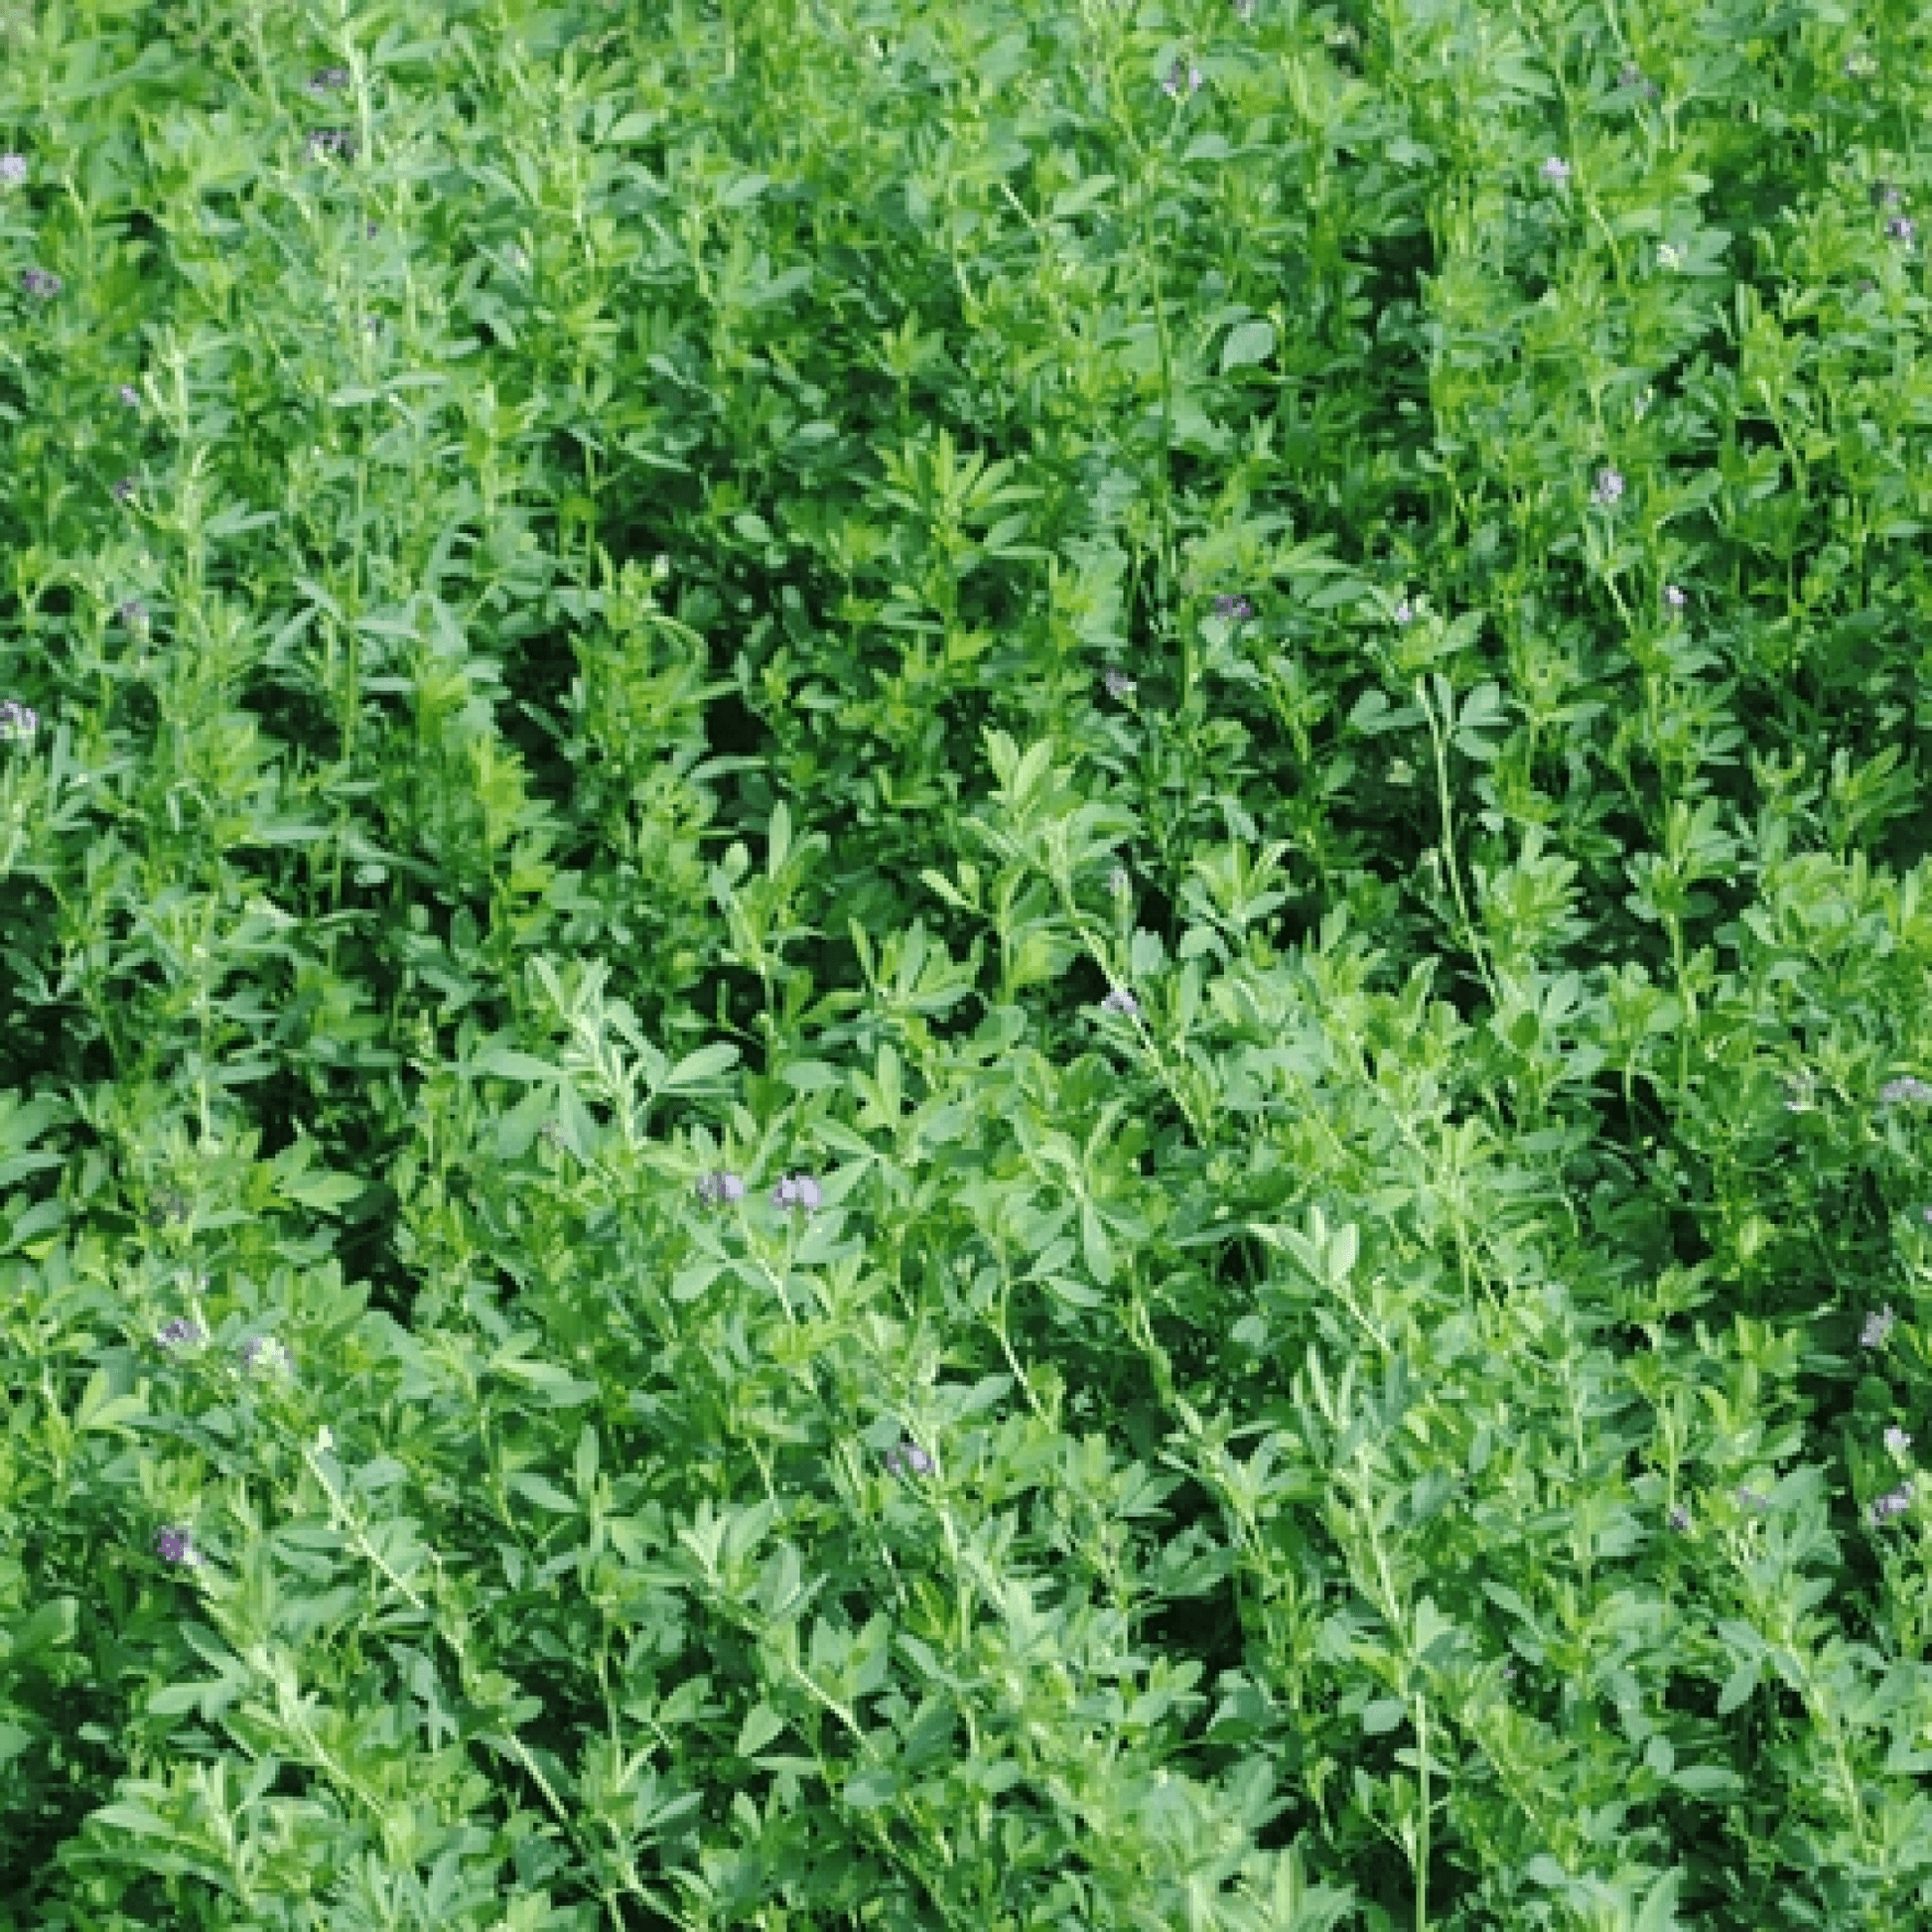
{"x":1885,"y":194}
{"x":1119,"y":685}
{"x":1238,"y":609}
{"x":908,"y":1457}
{"x":715,"y":1189}
{"x":1632,"y":76}
{"x":181,"y":1334}
{"x":176,"y":1546}
{"x":1556,"y":171}
{"x":124,"y":490}
{"x":1906,"y":1091}
{"x":37,"y":282}
{"x":1405,"y":611}
{"x":267,"y":1354}
{"x":1680,"y":1519}
{"x":1902,"y":228}
{"x":18,"y":720}
{"x":798,"y":1190}
{"x":1120,"y":1001}
{"x":1876,"y":1328}
{"x":132,"y":613}
{"x":1180,"y":74}
{"x":1610,"y":486}
{"x":327,"y":81}
{"x":331,"y":140}
{"x":1897,"y":1441}
{"x":13,"y":169}
{"x":1895,"y":1504}
{"x":1673,"y":596}
{"x":130,"y":395}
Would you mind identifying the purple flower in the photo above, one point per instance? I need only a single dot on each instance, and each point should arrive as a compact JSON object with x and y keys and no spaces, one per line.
{"x":1884,"y":195}
{"x":18,"y":720}
{"x":1610,"y":486}
{"x":1556,"y":171}
{"x":176,"y":1546}
{"x":1896,"y":1504}
{"x":327,"y":81}
{"x":36,"y":281}
{"x":130,"y":395}
{"x":1902,"y":228}
{"x":1897,"y":1441}
{"x":908,"y":1457}
{"x":1236,"y":610}
{"x":1180,"y":74}
{"x":1750,"y":1499}
{"x":1120,"y":1001}
{"x":132,"y":613}
{"x":1906,"y":1091}
{"x":1876,"y":1328}
{"x":124,"y":490}
{"x":1673,"y":596}
{"x":1403,"y":611}
{"x":797,"y":1190}
{"x":1119,"y":685}
{"x":13,"y":169}
{"x":1680,"y":1518}
{"x":181,"y":1334}
{"x":715,"y":1189}
{"x":331,"y":140}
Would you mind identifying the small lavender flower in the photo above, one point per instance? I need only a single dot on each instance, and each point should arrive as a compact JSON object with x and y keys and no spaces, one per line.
{"x":1556,"y":171}
{"x":132,"y":613}
{"x":1673,"y":596}
{"x":1902,"y":228}
{"x":1896,"y":1504}
{"x":1632,"y":76}
{"x":37,"y":282}
{"x":1750,"y":1499}
{"x":1680,"y":1519}
{"x":18,"y":720}
{"x":1609,"y":487}
{"x":13,"y":169}
{"x":181,"y":1334}
{"x":1897,"y":1441}
{"x":1876,"y":1328}
{"x":715,"y":1189}
{"x":908,"y":1457}
{"x":124,"y":490}
{"x":1403,"y":611}
{"x":331,"y":140}
{"x":1885,"y":194}
{"x":1906,"y":1091}
{"x":1237,"y":609}
{"x":1119,"y":685}
{"x":1182,"y":74}
{"x":327,"y":81}
{"x":797,"y":1190}
{"x":176,"y":1546}
{"x":1120,"y":1001}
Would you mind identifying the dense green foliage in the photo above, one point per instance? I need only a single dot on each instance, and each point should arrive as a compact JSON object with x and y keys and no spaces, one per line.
{"x":965,"y":966}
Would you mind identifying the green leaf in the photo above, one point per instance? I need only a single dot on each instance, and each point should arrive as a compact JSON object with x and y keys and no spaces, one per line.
{"x":100,"y":1410}
{"x":696,"y":1068}
{"x":762,"y":1724}
{"x":543,"y":1492}
{"x":1248,"y":344}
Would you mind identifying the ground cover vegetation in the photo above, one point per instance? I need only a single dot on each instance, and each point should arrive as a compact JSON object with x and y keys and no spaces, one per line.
{"x":965,"y":966}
